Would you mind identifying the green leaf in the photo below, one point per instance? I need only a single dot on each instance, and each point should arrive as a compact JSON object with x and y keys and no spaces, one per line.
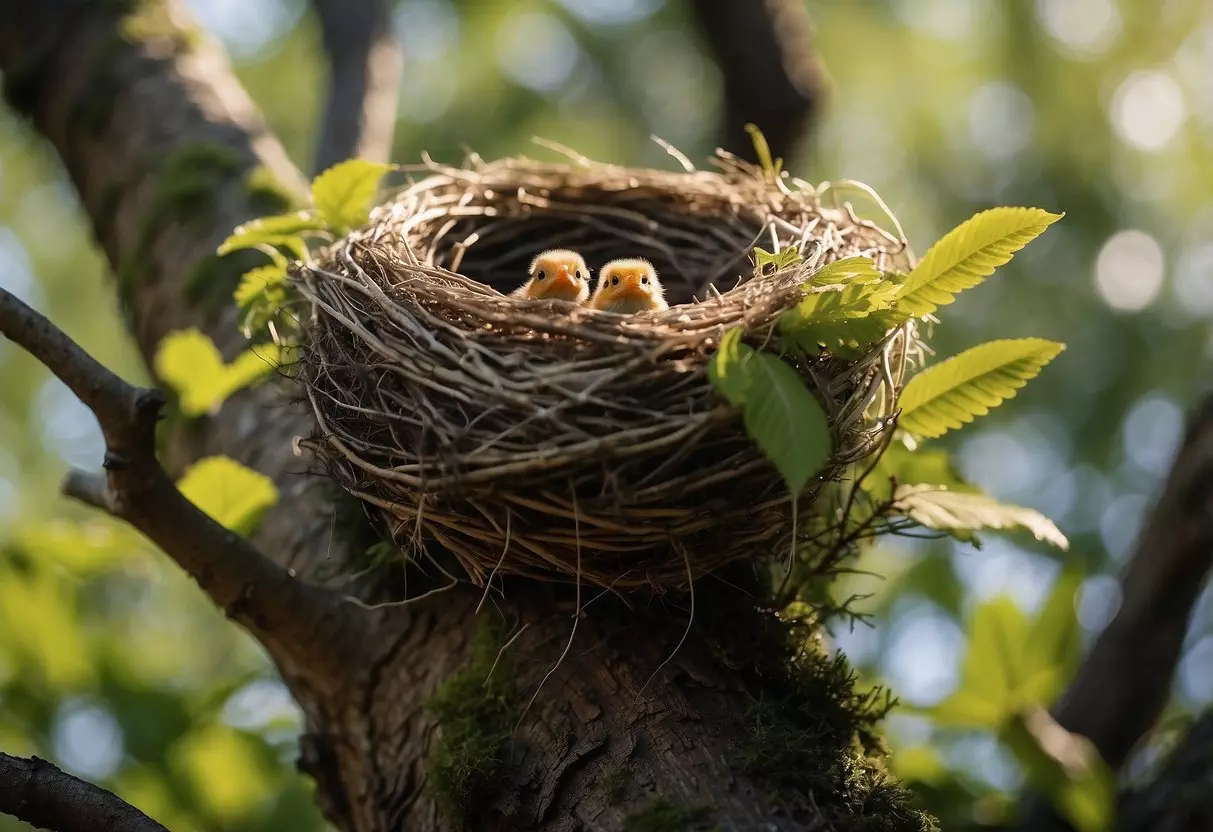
{"x":343,"y":194}
{"x":846,"y":271}
{"x":952,"y":393}
{"x":948,"y":511}
{"x":1065,"y":767}
{"x":785,"y":421}
{"x":763,"y":151}
{"x":777,"y":261}
{"x":1054,"y":644}
{"x":991,"y":670}
{"x":968,"y":254}
{"x":258,"y":284}
{"x":234,"y":496}
{"x":726,"y":370}
{"x":282,"y":230}
{"x":189,"y":363}
{"x":847,"y":320}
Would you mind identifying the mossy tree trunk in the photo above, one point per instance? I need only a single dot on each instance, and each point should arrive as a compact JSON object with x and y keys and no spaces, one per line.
{"x":411,"y":731}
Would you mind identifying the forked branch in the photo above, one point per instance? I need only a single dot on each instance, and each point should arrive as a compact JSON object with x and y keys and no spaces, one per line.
{"x":279,"y":609}
{"x":38,"y":793}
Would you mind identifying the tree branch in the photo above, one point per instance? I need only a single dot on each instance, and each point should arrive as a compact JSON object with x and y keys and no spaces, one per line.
{"x":1123,"y":684}
{"x":772,"y":75}
{"x":253,"y":590}
{"x":1181,"y":798}
{"x":364,"y":77}
{"x":38,"y":793}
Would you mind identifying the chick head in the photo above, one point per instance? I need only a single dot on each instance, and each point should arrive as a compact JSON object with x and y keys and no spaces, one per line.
{"x":557,"y":274}
{"x":629,"y":285}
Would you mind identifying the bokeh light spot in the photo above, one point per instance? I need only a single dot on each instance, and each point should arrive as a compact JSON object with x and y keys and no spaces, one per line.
{"x":1129,"y":270}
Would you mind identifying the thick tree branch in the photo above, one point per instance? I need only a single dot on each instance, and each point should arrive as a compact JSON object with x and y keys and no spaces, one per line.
{"x":1181,"y":798}
{"x":364,"y":76}
{"x":252,"y":589}
{"x":1123,"y":684}
{"x":36,"y":792}
{"x":772,"y":75}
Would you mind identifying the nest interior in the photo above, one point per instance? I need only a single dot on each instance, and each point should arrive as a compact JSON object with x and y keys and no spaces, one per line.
{"x":537,"y":439}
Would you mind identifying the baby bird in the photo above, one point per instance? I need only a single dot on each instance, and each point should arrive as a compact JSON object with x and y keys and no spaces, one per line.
{"x":557,"y":274}
{"x":627,"y":286}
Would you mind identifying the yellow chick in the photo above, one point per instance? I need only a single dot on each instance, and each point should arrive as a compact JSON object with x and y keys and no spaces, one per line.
{"x":627,"y":286}
{"x":557,"y":274}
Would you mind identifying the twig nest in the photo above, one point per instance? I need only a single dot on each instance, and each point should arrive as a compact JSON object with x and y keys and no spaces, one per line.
{"x":564,"y":443}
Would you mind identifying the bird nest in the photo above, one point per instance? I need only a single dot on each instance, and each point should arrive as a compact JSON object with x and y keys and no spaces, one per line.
{"x":538,"y":439}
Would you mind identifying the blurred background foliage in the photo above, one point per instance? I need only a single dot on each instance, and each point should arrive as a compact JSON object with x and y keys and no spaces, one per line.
{"x":116,"y":668}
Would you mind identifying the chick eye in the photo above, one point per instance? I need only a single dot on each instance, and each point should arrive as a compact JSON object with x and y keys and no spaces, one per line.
{"x":615,"y":280}
{"x":539,"y":275}
{"x":644,"y":280}
{"x":581,"y":275}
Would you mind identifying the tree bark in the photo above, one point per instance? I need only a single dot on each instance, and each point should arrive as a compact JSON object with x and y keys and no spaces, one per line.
{"x":168,"y":154}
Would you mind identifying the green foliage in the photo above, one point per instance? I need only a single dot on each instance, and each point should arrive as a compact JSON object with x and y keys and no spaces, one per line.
{"x":952,"y":393}
{"x":1012,"y":669}
{"x":660,"y":815}
{"x":781,"y":415}
{"x":191,"y":365}
{"x":776,"y":261}
{"x":343,"y":194}
{"x":968,"y":254}
{"x":1065,"y":767}
{"x":770,"y":167}
{"x":262,"y":293}
{"x":235,"y":496}
{"x":951,"y":511}
{"x":474,"y":709}
{"x":921,"y":466}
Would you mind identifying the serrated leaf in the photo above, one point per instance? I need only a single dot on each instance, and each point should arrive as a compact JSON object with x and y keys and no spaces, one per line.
{"x":952,"y":393}
{"x":257,"y":283}
{"x":785,"y":421}
{"x":189,"y":363}
{"x":848,"y":319}
{"x":777,"y":260}
{"x":968,"y":254}
{"x":233,"y":495}
{"x":726,"y":370}
{"x":846,"y":271}
{"x":938,"y":508}
{"x":1064,"y":766}
{"x":282,"y":230}
{"x":343,"y":194}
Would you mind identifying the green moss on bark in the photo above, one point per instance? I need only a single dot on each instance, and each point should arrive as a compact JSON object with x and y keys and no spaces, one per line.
{"x":660,"y":815}
{"x":475,"y":710}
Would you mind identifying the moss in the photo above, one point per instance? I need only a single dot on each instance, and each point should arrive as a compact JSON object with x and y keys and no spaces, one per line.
{"x":267,"y":194}
{"x":474,"y":711}
{"x":186,"y":185}
{"x":663,"y":816}
{"x":614,"y":783}
{"x":814,"y":730}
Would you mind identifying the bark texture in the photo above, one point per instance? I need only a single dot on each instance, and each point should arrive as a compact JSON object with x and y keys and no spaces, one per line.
{"x":168,"y":154}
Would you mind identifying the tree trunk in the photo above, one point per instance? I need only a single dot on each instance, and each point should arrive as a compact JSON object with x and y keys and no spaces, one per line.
{"x":626,"y":729}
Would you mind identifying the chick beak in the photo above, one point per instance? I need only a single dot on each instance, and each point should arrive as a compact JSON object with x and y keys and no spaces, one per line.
{"x":563,"y":279}
{"x":631,"y":287}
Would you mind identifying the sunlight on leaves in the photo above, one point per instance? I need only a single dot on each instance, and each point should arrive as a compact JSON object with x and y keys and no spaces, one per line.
{"x":39,"y":621}
{"x":954,"y":392}
{"x":969,"y":254}
{"x":87,"y":548}
{"x":923,"y":466}
{"x":279,"y":231}
{"x":235,"y":496}
{"x":1054,"y":644}
{"x":343,"y":194}
{"x":776,"y":261}
{"x":189,"y":363}
{"x":938,"y":508}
